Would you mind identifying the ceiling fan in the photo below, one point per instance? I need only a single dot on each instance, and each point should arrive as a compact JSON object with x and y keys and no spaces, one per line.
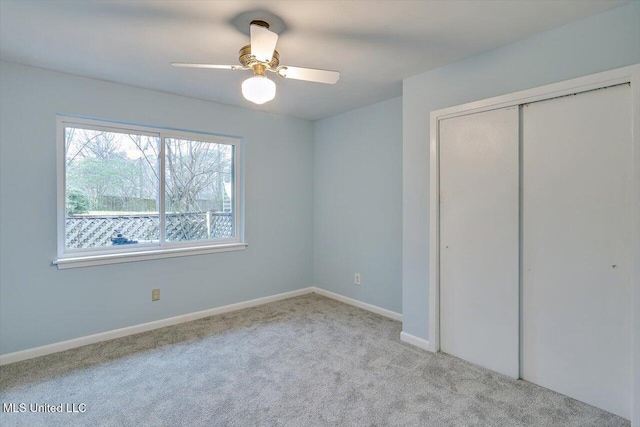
{"x":261,"y":56}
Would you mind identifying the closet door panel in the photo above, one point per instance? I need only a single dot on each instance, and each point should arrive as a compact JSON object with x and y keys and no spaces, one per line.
{"x":576,"y":302}
{"x":479,"y":238}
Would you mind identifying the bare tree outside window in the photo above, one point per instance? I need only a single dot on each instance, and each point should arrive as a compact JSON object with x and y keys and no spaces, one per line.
{"x":116,"y":172}
{"x":196,"y":174}
{"x":112,"y":188}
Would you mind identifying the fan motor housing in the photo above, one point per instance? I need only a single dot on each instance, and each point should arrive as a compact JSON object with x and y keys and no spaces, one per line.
{"x":248,"y":61}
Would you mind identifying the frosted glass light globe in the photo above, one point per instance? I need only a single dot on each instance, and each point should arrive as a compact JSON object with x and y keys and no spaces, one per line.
{"x":258,"y":89}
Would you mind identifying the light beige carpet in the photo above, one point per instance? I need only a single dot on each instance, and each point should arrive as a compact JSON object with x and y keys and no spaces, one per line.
{"x":305,"y":361}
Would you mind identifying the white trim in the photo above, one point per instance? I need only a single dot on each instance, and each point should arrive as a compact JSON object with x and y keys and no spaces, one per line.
{"x":162,"y":201}
{"x":630,"y":74}
{"x":434,"y":237}
{"x":354,"y":302}
{"x":566,"y":87}
{"x":89,"y":261}
{"x":413,"y":340}
{"x":635,"y":245}
{"x":144,"y":327}
{"x":150,"y":130}
{"x":61,"y":184}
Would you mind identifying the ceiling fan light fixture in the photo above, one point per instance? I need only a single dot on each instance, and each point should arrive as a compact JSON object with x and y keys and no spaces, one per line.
{"x":261,"y":56}
{"x":258,"y":89}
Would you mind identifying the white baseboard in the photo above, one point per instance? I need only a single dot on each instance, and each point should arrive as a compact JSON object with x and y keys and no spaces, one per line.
{"x":144,"y":327}
{"x":375,"y":309}
{"x":413,"y":340}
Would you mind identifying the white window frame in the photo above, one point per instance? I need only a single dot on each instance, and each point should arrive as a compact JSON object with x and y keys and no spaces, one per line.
{"x":71,"y":258}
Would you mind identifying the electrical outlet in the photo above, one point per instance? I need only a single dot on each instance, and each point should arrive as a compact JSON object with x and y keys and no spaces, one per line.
{"x":356,"y":279}
{"x":155,"y":294}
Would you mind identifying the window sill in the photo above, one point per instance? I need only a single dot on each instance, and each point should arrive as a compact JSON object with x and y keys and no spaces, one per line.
{"x":88,"y":261}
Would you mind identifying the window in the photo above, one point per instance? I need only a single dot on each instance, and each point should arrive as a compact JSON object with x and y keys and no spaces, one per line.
{"x":132,"y":192}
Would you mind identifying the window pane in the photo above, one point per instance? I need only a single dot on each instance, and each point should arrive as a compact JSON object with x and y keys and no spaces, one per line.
{"x":112,"y":188}
{"x":199,"y":190}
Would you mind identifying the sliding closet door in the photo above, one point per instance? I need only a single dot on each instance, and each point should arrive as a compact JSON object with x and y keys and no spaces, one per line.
{"x":576,"y":336}
{"x":479,"y":239}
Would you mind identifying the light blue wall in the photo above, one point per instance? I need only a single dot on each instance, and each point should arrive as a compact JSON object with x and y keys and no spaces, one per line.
{"x":358,"y":204}
{"x":602,"y":42}
{"x":40,"y":304}
{"x":346,"y":192}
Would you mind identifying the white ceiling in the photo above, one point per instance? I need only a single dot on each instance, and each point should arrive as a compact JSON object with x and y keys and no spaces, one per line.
{"x":374,"y":44}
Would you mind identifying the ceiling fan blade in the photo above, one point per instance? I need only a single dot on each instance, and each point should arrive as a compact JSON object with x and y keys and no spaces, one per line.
{"x":192,"y":65}
{"x":263,"y":42}
{"x":309,"y":74}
